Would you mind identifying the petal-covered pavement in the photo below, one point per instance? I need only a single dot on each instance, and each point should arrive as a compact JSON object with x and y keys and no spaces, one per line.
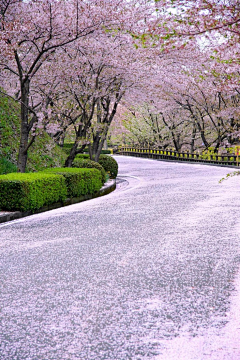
{"x":150,"y":271}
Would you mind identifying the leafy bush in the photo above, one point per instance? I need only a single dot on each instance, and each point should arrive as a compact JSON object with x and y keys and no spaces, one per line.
{"x":87,"y":163}
{"x":30,"y":191}
{"x":66,"y":148}
{"x":109,"y":164}
{"x":79,"y":181}
{"x":106,"y":151}
{"x":230,"y":150}
{"x":204,"y":156}
{"x":82,"y":156}
{"x":6,"y":166}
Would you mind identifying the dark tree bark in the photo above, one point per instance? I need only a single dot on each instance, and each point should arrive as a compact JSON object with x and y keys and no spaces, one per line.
{"x":46,"y":44}
{"x":80,"y":135}
{"x":23,"y":147}
{"x":194,"y":131}
{"x":105,"y":115}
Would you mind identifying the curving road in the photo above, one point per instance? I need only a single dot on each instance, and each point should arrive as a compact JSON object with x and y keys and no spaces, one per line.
{"x":150,"y":271}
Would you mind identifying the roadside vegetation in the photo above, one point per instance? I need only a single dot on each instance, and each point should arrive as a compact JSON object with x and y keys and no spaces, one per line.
{"x":46,"y":180}
{"x":75,"y":75}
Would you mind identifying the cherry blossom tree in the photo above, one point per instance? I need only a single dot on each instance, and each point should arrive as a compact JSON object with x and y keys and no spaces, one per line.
{"x":213,"y":24}
{"x":191,"y":18}
{"x":32,"y":33}
{"x":99,"y":73}
{"x":73,"y":63}
{"x":187,"y":98}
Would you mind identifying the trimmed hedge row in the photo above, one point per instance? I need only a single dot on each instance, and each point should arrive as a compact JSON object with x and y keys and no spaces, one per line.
{"x":109,"y":164}
{"x":79,"y":181}
{"x":30,"y":191}
{"x":87,"y":163}
{"x":106,"y":151}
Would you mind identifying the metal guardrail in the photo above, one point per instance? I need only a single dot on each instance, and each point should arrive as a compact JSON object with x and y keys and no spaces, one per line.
{"x":224,"y":159}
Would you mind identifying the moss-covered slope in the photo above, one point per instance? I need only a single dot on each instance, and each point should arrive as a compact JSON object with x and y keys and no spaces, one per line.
{"x":42,"y":154}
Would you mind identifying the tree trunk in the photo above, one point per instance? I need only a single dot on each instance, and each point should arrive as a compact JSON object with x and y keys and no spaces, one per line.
{"x":23,"y":147}
{"x":176,"y":142}
{"x":205,"y":142}
{"x":105,"y":145}
{"x":194,"y":131}
{"x":80,"y":135}
{"x":216,"y":148}
{"x":202,"y":134}
{"x":94,"y":147}
{"x":105,"y":118}
{"x":59,"y":137}
{"x":73,"y":151}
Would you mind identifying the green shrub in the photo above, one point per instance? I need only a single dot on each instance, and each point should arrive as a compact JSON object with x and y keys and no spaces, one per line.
{"x":106,"y":151}
{"x":204,"y":156}
{"x":230,"y":150}
{"x":82,"y":156}
{"x":30,"y":191}
{"x":87,"y":163}
{"x":66,"y":148}
{"x":7,"y":166}
{"x":79,"y":181}
{"x":109,"y":164}
{"x":210,"y":150}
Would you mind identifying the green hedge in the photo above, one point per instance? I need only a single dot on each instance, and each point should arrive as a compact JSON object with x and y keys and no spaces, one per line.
{"x":66,"y":148}
{"x":107,"y":151}
{"x":87,"y":163}
{"x":82,"y":156}
{"x":30,"y":191}
{"x":109,"y":164}
{"x":79,"y":181}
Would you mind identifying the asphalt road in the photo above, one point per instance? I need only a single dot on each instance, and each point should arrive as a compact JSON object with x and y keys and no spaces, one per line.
{"x":150,"y":271}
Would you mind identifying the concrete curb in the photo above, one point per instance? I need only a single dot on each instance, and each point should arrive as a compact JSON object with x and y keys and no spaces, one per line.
{"x":107,"y":188}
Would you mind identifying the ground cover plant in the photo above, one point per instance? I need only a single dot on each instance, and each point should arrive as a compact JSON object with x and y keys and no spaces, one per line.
{"x":9,"y":128}
{"x":44,"y":152}
{"x":7,"y":166}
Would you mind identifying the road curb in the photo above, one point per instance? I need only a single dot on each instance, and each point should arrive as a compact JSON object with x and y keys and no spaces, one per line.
{"x":107,"y":188}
